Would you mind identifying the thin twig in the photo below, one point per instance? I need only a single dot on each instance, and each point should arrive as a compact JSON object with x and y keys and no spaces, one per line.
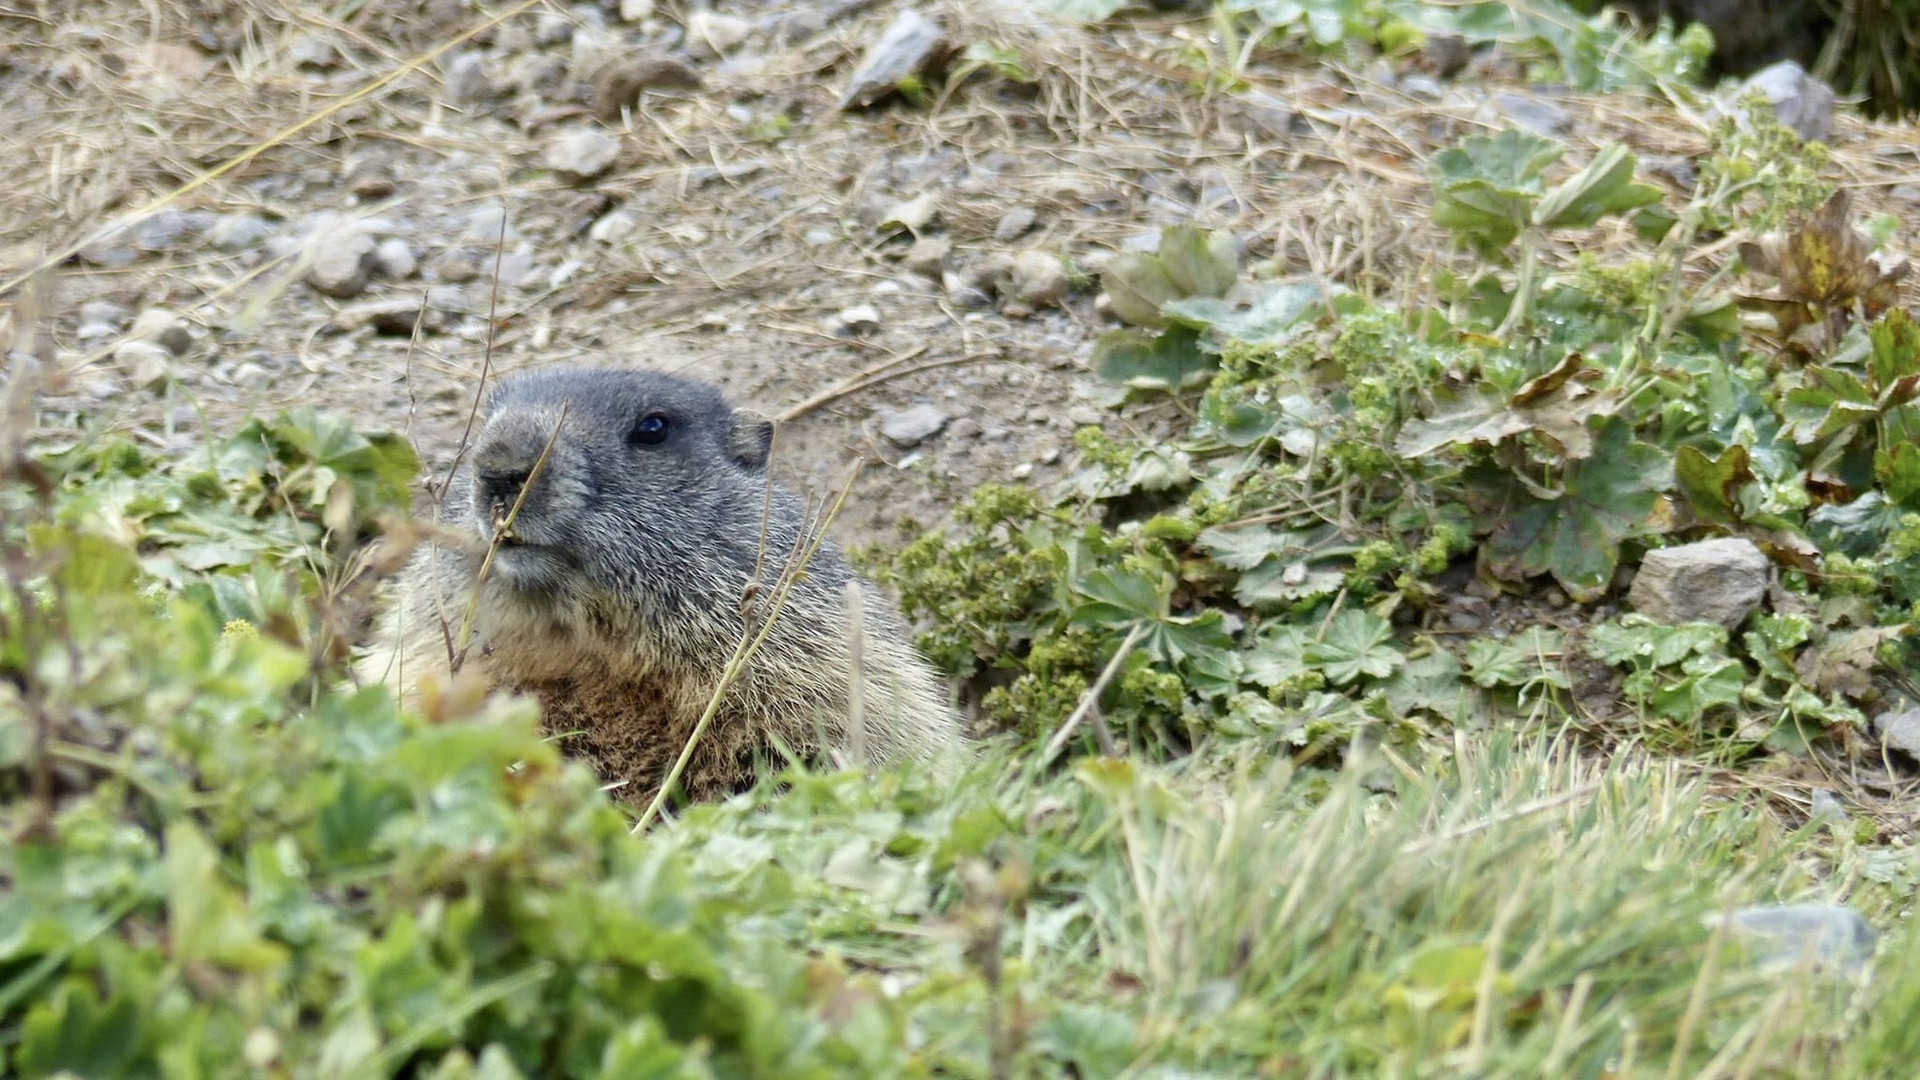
{"x":1089,"y":703}
{"x":865,"y":381}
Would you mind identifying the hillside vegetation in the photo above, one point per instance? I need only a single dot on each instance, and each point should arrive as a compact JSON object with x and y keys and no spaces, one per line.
{"x":1319,"y":736}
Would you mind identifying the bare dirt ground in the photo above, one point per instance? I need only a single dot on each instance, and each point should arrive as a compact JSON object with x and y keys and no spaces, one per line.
{"x":739,"y":222}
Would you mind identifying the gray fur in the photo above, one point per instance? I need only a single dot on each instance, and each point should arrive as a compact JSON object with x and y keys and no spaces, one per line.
{"x":627,"y":591}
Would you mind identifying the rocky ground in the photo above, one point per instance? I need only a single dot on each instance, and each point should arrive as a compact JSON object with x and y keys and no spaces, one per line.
{"x":703,"y":191}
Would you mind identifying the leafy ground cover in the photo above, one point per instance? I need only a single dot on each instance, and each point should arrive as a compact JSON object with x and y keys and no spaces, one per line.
{"x":1269,"y":795}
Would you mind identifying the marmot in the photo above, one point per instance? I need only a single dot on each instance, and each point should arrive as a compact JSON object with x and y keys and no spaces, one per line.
{"x":622,"y":590}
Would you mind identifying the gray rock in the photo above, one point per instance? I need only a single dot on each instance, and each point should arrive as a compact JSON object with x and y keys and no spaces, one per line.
{"x":583,"y":155}
{"x":144,"y":362}
{"x":634,"y":11}
{"x":163,"y":328}
{"x":962,"y":292}
{"x":1424,"y":87}
{"x":858,"y":319}
{"x":912,"y":426}
{"x":614,"y":225}
{"x":711,"y":35}
{"x":237,"y":232}
{"x":1832,"y":936}
{"x":109,"y":247}
{"x":251,"y":376}
{"x":1900,"y":731}
{"x":393,"y":258}
{"x":1037,"y":279}
{"x":964,"y":428}
{"x":1014,"y":224}
{"x":483,"y":225}
{"x":1533,"y":114}
{"x":1447,"y":52}
{"x":928,"y":255}
{"x":1827,"y":808}
{"x":456,"y":266}
{"x":1800,"y":101}
{"x":553,"y":28}
{"x":164,"y":230}
{"x":909,"y":45}
{"x":1720,"y":581}
{"x":104,"y":317}
{"x":820,"y":236}
{"x":314,"y":52}
{"x":342,"y":263}
{"x":468,"y":80}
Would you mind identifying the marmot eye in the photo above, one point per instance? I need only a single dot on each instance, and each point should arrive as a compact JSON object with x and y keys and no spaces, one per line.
{"x":650,"y":430}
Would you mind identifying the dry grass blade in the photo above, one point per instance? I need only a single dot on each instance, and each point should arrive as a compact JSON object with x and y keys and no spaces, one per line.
{"x":1089,"y":705}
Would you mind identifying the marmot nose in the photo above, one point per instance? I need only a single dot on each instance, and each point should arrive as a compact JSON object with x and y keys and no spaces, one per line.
{"x":502,"y":485}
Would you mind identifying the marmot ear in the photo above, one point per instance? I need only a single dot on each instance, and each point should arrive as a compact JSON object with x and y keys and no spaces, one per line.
{"x":751,"y":441}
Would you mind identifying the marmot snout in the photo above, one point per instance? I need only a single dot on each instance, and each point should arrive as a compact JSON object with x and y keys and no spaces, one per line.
{"x":622,"y":588}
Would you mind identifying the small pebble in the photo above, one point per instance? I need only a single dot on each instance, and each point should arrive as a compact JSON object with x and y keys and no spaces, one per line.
{"x":1038,"y":279}
{"x":145,"y":363}
{"x":928,"y":255}
{"x":711,"y":35}
{"x":455,"y":266}
{"x":394,"y":259}
{"x":342,"y":263}
{"x":163,"y":328}
{"x":580,"y":156}
{"x":911,"y":426}
{"x":858,"y":319}
{"x":104,"y":314}
{"x":468,"y":81}
{"x":614,"y":225}
{"x":237,"y":232}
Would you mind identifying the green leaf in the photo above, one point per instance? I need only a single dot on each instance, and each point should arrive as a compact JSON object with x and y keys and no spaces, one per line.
{"x":1096,"y":1040}
{"x":1576,"y":537}
{"x":71,"y":1032}
{"x":1276,"y":656}
{"x":1637,"y":641}
{"x":1897,"y":467}
{"x":1201,"y":262}
{"x":1531,"y":657}
{"x":206,"y":919}
{"x":1170,"y":361}
{"x":1287,"y":583}
{"x":1116,"y":599}
{"x":1894,"y":356}
{"x":1137,"y":285}
{"x":1275,"y":314}
{"x":1555,"y":405}
{"x":1712,"y":485}
{"x":1831,"y":401}
{"x":1248,"y":547}
{"x":1431,"y":683}
{"x":1605,"y":186}
{"x":1356,"y":643}
{"x":1485,"y":189}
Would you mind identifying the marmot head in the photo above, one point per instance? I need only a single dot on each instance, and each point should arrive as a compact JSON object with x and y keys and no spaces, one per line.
{"x":653,"y":485}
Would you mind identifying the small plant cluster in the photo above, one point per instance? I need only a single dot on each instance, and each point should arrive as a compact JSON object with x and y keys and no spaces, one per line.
{"x":1282,"y":564}
{"x":1596,"y":53}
